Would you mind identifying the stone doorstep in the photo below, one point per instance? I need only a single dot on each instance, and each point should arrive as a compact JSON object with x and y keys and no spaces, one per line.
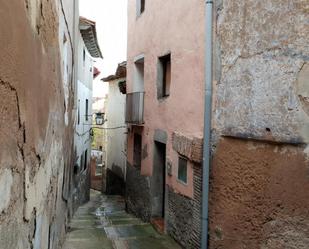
{"x":158,"y":224}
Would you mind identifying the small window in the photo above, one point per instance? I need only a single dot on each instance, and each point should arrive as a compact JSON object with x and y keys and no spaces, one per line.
{"x":85,"y":159}
{"x":137,"y":153}
{"x":182,"y":169}
{"x":84,"y":56}
{"x":86,"y":110}
{"x":140,"y":6}
{"x":78,"y":115}
{"x":81,"y":161}
{"x":164,"y":76}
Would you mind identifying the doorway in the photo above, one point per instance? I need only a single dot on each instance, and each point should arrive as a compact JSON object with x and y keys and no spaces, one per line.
{"x":158,"y":180}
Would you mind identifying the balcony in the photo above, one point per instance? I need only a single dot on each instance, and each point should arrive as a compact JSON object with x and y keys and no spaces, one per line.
{"x":135,"y":108}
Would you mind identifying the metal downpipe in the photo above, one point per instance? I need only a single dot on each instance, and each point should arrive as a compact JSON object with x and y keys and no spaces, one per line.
{"x":207,"y":120}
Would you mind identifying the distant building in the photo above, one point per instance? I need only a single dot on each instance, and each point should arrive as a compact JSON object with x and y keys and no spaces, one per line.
{"x":115,"y":133}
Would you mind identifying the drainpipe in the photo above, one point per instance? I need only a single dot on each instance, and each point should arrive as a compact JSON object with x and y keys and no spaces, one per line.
{"x":207,"y":120}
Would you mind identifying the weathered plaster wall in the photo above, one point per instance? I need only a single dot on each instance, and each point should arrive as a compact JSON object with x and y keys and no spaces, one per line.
{"x":261,"y":94}
{"x":115,"y":138}
{"x":259,"y":196}
{"x":36,"y":145}
{"x":262,"y":51}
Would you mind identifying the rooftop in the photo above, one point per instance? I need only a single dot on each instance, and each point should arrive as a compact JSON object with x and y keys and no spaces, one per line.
{"x":121,"y":72}
{"x":88,"y":31}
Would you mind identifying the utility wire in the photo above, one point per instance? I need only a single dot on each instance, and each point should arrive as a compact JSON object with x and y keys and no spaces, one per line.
{"x":100,"y":128}
{"x":109,"y":128}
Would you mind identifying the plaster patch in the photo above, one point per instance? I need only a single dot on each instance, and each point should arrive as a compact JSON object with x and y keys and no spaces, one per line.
{"x":306,"y":151}
{"x":6,"y":180}
{"x":303,"y":87}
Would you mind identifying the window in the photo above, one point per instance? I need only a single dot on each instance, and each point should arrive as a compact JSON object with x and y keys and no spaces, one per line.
{"x":81,"y":161}
{"x":86,"y":110}
{"x":182,"y":169}
{"x":140,"y":7}
{"x":164,"y":76}
{"x":84,"y":56}
{"x":78,"y":115}
{"x":137,"y":151}
{"x":85,"y":160}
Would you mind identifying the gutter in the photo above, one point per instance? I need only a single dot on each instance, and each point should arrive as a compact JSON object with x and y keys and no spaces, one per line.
{"x":207,"y":119}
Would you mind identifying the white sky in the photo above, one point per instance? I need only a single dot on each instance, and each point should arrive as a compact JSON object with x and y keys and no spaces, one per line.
{"x":111,"y":24}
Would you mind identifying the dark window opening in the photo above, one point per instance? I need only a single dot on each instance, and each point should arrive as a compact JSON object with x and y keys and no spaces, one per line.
{"x":142,"y":6}
{"x":85,"y":160}
{"x":164,"y":76}
{"x":86,"y":110}
{"x":78,"y":115}
{"x":182,"y":169}
{"x":137,"y":151}
{"x":81,"y":161}
{"x":84,"y":55}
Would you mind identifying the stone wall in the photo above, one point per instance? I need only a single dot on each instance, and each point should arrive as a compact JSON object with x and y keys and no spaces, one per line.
{"x":179,"y":218}
{"x":183,"y":217}
{"x":137,"y":195}
{"x":36,"y":145}
{"x":184,"y":214}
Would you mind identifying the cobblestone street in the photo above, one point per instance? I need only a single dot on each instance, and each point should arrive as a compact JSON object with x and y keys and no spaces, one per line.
{"x":102,"y":223}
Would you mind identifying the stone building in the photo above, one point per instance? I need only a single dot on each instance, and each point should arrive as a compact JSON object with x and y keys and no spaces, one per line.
{"x":259,"y":157}
{"x":38,"y":83}
{"x":115,"y":133}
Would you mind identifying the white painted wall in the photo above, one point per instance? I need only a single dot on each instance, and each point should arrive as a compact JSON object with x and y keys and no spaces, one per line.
{"x":82,"y":138}
{"x":116,"y":138}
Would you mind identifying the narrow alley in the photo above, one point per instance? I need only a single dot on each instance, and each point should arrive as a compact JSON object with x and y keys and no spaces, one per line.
{"x":154,"y":124}
{"x":102,"y":223}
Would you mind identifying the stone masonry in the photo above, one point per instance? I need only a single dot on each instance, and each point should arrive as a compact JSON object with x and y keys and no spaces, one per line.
{"x":184,"y":214}
{"x":138,"y":193}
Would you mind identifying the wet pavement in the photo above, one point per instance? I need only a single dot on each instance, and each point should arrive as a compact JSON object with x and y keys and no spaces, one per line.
{"x":102,"y":223}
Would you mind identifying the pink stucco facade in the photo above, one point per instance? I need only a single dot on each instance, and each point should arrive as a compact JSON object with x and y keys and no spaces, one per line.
{"x":156,"y":32}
